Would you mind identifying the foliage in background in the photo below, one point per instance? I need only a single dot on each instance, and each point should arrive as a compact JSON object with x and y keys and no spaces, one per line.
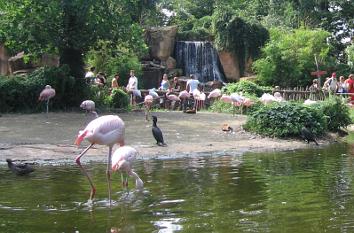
{"x":112,"y":59}
{"x":350,"y":56}
{"x":285,"y":120}
{"x":241,"y":38}
{"x":18,"y":93}
{"x":288,"y":58}
{"x":246,"y":87}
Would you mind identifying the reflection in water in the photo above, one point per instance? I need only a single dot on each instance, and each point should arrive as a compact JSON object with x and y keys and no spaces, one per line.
{"x":303,"y":191}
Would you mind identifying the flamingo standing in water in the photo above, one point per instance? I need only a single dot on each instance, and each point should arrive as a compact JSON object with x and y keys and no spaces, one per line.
{"x":184,"y":96}
{"x":105,"y":130}
{"x":89,"y":106}
{"x":46,"y":94}
{"x":173,"y":98}
{"x":122,"y":160}
{"x":148,"y":100}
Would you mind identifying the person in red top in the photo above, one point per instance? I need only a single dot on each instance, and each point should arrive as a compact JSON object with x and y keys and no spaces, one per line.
{"x":350,"y":86}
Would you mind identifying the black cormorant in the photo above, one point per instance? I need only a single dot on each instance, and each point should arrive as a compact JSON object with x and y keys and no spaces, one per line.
{"x":157,"y":132}
{"x":307,"y":135}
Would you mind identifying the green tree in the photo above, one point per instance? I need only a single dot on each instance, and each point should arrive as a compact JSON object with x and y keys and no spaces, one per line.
{"x":350,"y":55}
{"x":288,"y":58}
{"x":67,"y":27}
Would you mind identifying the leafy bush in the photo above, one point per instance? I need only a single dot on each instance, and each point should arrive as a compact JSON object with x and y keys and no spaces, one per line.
{"x":119,"y":99}
{"x":199,"y":34}
{"x":20,"y":93}
{"x":219,"y":106}
{"x":99,"y":95}
{"x":337,"y":113}
{"x":246,"y":87}
{"x":285,"y":119}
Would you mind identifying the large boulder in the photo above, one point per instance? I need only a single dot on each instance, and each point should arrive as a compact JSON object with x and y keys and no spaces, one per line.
{"x":18,"y":65}
{"x":161,"y":42}
{"x":230,"y":65}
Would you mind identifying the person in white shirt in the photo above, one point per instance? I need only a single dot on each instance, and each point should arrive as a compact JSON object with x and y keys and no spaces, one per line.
{"x":90,"y":76}
{"x":132,"y":85}
{"x":192,"y":84}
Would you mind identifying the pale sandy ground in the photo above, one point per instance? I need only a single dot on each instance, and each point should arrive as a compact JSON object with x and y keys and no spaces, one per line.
{"x":37,"y":138}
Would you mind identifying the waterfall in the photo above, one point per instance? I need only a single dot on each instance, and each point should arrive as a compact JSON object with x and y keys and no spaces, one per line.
{"x":200,"y":59}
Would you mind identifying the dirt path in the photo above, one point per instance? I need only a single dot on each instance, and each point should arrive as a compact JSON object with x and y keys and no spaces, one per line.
{"x":34,"y":137}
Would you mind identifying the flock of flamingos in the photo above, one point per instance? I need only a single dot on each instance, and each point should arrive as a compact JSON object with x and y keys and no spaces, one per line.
{"x":110,"y":130}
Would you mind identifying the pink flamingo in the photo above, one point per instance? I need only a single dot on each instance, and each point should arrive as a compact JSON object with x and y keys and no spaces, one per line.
{"x":122,"y":160}
{"x":214,"y":93}
{"x":148,"y":100}
{"x":199,"y":99}
{"x":46,"y":94}
{"x":226,"y":98}
{"x":184,"y":96}
{"x":89,"y":106}
{"x":105,"y":130}
{"x":172,"y":97}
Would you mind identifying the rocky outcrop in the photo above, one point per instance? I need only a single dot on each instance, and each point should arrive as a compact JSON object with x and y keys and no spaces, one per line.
{"x":230,"y":65}
{"x":18,"y":65}
{"x":161,"y":42}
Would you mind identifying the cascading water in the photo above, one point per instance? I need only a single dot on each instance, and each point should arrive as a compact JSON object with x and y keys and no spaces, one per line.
{"x":200,"y":59}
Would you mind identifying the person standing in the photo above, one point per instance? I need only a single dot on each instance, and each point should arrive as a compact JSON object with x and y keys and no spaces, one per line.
{"x":350,"y":86}
{"x":192,"y":83}
{"x":114,"y":84}
{"x":90,"y":76}
{"x":165,"y":84}
{"x":342,"y":86}
{"x":132,"y":86}
{"x":331,"y":83}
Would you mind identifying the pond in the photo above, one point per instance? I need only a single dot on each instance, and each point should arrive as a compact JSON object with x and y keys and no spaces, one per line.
{"x":298,"y":191}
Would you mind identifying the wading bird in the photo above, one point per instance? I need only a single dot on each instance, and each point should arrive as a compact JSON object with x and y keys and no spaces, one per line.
{"x":307,"y":135}
{"x":184,"y":96}
{"x":157,"y":133}
{"x":19,"y":169}
{"x":89,"y":106}
{"x":122,"y":160}
{"x":105,"y":130}
{"x":46,"y":94}
{"x":148,"y":100}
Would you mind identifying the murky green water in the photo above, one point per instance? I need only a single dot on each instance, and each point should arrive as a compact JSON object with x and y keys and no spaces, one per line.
{"x":304,"y":191}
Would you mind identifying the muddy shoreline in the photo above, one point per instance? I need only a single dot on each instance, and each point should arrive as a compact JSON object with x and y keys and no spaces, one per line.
{"x":41,"y":139}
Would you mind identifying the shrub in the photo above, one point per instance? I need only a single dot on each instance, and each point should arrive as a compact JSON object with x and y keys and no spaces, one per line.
{"x":119,"y":99}
{"x":99,"y":95}
{"x":20,"y":93}
{"x":337,"y":113}
{"x":219,"y":106}
{"x":285,"y":119}
{"x":246,"y":87}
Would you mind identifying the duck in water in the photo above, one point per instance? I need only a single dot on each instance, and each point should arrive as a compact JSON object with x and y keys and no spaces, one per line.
{"x":157,"y":133}
{"x":307,"y":135}
{"x":19,"y":169}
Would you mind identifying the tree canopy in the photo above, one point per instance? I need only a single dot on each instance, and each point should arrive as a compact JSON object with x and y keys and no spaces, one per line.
{"x":68,"y":28}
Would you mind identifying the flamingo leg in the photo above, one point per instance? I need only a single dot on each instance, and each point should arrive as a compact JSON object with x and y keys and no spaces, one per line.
{"x":122,"y":178}
{"x":108,"y":172}
{"x":47,"y":105}
{"x":93,"y":189}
